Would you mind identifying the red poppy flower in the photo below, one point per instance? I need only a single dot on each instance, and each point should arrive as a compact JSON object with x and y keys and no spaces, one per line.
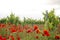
{"x":29,"y":30}
{"x":37,"y":31}
{"x":12,"y":38}
{"x":3,"y":25}
{"x":0,"y":25}
{"x":43,"y":34}
{"x":4,"y":39}
{"x":35,"y":27}
{"x":57,"y":37}
{"x":0,"y":37}
{"x":36,"y":37}
{"x":12,"y":30}
{"x":18,"y":38}
{"x":46,"y":33}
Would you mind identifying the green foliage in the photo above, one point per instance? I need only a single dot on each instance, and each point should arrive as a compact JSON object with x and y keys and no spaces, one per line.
{"x":13,"y":20}
{"x":3,"y":20}
{"x":49,"y":17}
{"x":32,"y":21}
{"x":3,"y":31}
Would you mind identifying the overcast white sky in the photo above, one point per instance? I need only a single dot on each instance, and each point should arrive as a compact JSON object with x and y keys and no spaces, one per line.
{"x":28,"y":8}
